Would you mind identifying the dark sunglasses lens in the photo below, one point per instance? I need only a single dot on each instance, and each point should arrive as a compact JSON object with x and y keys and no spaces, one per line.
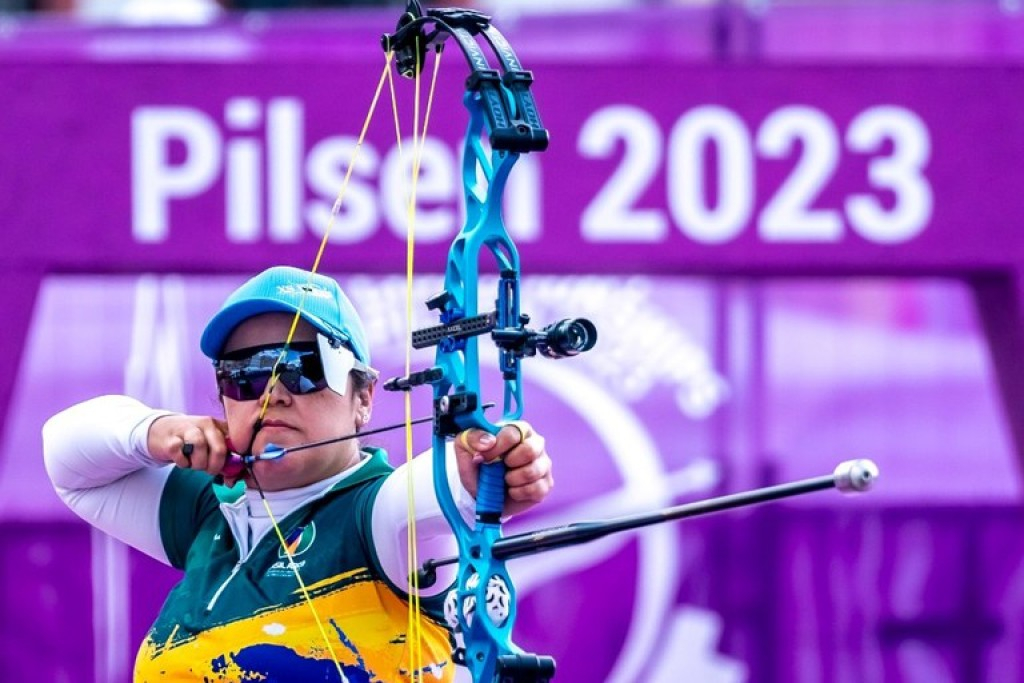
{"x":244,"y":387}
{"x":303,"y":374}
{"x":299,"y":383}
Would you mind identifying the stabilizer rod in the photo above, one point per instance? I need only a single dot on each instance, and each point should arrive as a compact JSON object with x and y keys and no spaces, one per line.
{"x":852,"y":476}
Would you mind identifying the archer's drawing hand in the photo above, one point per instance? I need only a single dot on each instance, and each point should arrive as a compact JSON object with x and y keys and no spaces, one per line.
{"x":189,"y":441}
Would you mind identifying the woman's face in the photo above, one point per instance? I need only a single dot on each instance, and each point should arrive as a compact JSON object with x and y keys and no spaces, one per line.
{"x":292,"y":420}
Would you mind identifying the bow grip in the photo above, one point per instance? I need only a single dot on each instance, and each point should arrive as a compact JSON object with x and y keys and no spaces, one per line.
{"x":490,"y":492}
{"x":457,"y":412}
{"x":490,"y":486}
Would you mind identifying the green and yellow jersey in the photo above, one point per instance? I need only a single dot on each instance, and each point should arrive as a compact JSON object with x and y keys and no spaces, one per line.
{"x":239,"y":613}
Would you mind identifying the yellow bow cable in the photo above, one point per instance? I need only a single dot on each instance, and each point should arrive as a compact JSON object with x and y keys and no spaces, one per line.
{"x":335,"y":210}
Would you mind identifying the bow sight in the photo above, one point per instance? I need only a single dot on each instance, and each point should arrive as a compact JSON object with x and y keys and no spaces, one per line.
{"x":562,"y":339}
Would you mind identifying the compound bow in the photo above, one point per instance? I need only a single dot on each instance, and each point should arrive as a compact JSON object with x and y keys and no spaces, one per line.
{"x":481,"y":608}
{"x":503,"y":124}
{"x":502,"y":116}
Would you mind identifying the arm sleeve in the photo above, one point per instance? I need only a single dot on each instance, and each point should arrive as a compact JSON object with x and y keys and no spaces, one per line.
{"x":434,"y":538}
{"x":96,"y":456}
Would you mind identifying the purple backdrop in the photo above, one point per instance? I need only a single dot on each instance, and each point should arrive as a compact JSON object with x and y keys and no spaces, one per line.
{"x":193,"y":152}
{"x":221,"y":148}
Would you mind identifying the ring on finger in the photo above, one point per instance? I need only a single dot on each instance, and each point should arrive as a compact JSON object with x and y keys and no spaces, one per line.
{"x":523,"y":428}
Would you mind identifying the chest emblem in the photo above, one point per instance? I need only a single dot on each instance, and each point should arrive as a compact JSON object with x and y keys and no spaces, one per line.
{"x":299,"y":540}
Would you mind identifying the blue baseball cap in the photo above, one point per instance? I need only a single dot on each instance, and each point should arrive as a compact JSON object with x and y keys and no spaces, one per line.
{"x":285,"y":289}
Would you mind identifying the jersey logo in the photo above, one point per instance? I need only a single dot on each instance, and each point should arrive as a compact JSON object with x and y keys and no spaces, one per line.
{"x":299,"y":540}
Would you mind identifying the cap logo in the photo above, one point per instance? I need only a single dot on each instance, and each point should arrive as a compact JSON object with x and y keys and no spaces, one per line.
{"x":296,"y":290}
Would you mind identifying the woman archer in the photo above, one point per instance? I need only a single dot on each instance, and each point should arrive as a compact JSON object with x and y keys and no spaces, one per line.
{"x":165,"y":484}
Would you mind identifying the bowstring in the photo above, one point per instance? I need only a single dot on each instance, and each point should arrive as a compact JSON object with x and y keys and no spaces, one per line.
{"x":419,"y":137}
{"x":275,"y":374}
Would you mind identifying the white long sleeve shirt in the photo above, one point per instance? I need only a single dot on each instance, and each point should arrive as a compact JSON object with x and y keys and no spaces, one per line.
{"x":96,"y":455}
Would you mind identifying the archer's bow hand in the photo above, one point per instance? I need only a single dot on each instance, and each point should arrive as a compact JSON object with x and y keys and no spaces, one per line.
{"x":528,"y":478}
{"x":189,"y":441}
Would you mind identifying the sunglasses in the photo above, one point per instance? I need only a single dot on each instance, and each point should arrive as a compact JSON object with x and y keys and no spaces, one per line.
{"x":244,"y":375}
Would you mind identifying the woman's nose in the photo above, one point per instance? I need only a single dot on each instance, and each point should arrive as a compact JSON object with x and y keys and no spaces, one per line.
{"x":278,"y":391}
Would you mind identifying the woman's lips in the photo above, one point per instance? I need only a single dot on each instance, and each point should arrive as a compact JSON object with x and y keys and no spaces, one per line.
{"x":276,"y":424}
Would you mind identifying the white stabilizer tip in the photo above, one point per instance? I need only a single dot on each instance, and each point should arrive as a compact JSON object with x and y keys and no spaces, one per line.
{"x":855,"y":476}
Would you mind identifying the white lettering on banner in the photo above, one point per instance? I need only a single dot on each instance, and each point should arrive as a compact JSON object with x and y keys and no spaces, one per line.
{"x":714,"y":143}
{"x":612,"y":215}
{"x":155,"y":181}
{"x":788,"y":215}
{"x":435,"y":187}
{"x":284,"y":169}
{"x":244,"y":161}
{"x":899,"y":173}
{"x":259,"y":153}
{"x":325,"y":170}
{"x":724,"y":131}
